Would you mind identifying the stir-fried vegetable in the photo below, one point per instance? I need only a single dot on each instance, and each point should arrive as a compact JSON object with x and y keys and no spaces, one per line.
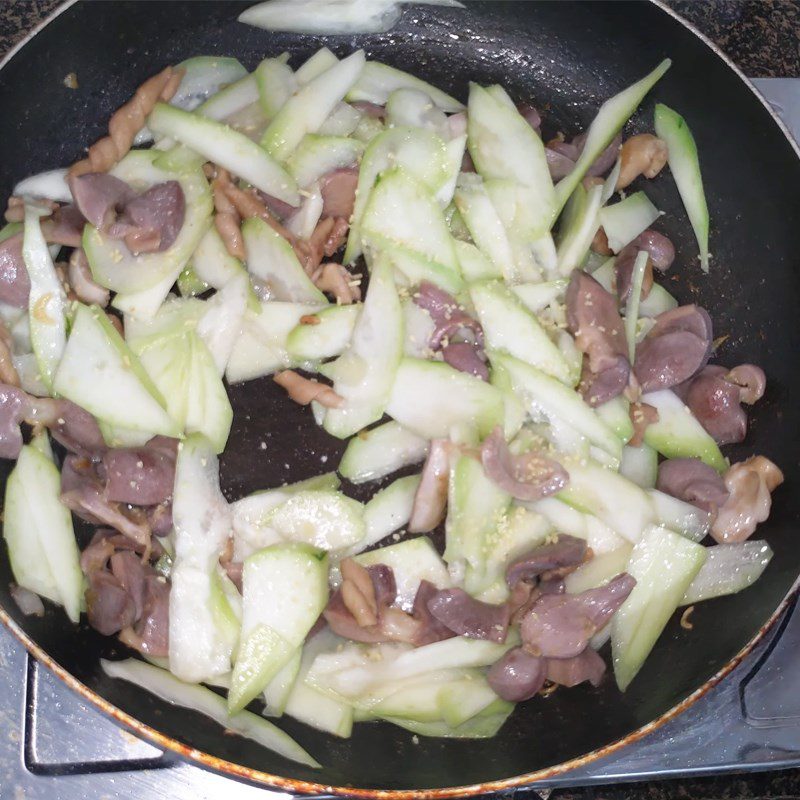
{"x":379,"y":250}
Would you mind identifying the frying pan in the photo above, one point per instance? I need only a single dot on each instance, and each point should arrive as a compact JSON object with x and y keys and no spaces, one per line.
{"x":565,"y":58}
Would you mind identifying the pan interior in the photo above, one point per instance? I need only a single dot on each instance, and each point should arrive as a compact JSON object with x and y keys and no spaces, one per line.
{"x":565,"y":58}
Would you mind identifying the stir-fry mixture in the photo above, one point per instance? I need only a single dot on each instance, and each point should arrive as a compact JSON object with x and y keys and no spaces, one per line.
{"x":461,"y":297}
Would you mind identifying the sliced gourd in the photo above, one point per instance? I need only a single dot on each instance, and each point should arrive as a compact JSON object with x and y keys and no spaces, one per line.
{"x":503,"y":145}
{"x":412,"y":561}
{"x":509,"y":327}
{"x":38,"y":531}
{"x":376,"y":453}
{"x":47,"y":302}
{"x":309,"y":107}
{"x":402,"y":212}
{"x":613,"y":114}
{"x":317,"y":155}
{"x":685,"y":167}
{"x":436,"y":401}
{"x":285,"y":588}
{"x":227,"y":148}
{"x":327,"y":336}
{"x":200,"y":635}
{"x":271,"y":259}
{"x":678,"y":434}
{"x":365,"y":372}
{"x":99,"y":372}
{"x":377,"y":82}
{"x":664,"y":565}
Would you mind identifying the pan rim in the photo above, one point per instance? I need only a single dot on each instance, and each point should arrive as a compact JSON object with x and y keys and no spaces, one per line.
{"x":268,"y":780}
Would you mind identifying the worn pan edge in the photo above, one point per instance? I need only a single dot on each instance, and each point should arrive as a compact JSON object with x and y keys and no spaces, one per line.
{"x":266,"y":779}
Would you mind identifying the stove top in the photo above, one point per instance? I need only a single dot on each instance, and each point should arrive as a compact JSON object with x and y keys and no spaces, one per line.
{"x":54,"y":745}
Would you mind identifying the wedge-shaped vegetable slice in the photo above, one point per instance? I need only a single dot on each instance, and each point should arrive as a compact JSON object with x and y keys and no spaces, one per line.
{"x":317,"y":155}
{"x":640,"y":465}
{"x":598,"y":570}
{"x":475,"y":508}
{"x":226,"y":147}
{"x":185,"y":372}
{"x":221,"y":322}
{"x":509,"y":327}
{"x":516,"y":210}
{"x":231,"y":99}
{"x":579,"y":224}
{"x":276,"y":84}
{"x":308,"y":705}
{"x":203,"y":77}
{"x":412,"y":561}
{"x":537,"y":296}
{"x":657,"y":302}
{"x":632,"y":306}
{"x":112,"y":263}
{"x":482,"y":726}
{"x":200,"y":641}
{"x":414,"y":109}
{"x":680,"y":516}
{"x":475,"y":266}
{"x":618,"y":502}
{"x":566,"y":519}
{"x":271,"y":259}
{"x":209,"y":410}
{"x":420,"y":152}
{"x":38,"y":531}
{"x":412,"y":268}
{"x":325,"y":338}
{"x":365,"y":372}
{"x":415,"y":699}
{"x":616,"y":414}
{"x":356,"y":670}
{"x":308,"y":108}
{"x":613,"y":114}
{"x":161,"y":683}
{"x":261,"y":347}
{"x":277,"y":691}
{"x":47,"y":302}
{"x":251,"y":515}
{"x":377,"y":81}
{"x":389,"y":509}
{"x":685,"y":167}
{"x":486,"y":228}
{"x":285,"y":588}
{"x":728,"y":569}
{"x":434,"y":401}
{"x":175,"y":317}
{"x":402,"y":212}
{"x":325,"y":520}
{"x":315,"y":65}
{"x":503,"y":145}
{"x":212,"y":263}
{"x":515,"y":533}
{"x":664,"y":565}
{"x":100,"y":373}
{"x":677,"y":434}
{"x":378,"y":452}
{"x":625,"y":220}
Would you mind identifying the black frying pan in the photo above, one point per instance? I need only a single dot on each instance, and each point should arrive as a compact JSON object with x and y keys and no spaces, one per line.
{"x":566,"y":58}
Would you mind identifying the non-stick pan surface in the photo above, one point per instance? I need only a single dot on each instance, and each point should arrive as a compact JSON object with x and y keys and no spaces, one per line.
{"x":565,"y":58}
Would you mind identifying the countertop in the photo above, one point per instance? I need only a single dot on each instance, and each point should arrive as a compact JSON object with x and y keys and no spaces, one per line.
{"x":763,"y":38}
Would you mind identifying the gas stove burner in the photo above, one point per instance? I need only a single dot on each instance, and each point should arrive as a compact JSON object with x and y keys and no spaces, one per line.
{"x":54,"y":745}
